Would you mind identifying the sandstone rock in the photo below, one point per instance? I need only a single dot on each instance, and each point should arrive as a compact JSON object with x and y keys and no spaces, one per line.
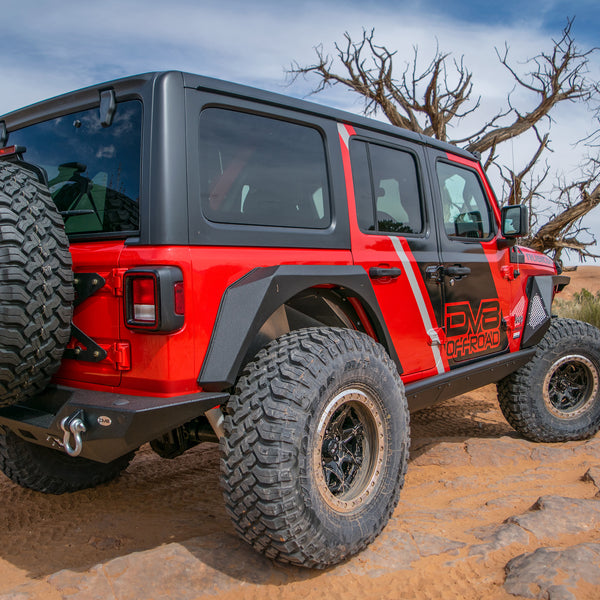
{"x":90,"y":585}
{"x":553,"y":574}
{"x":483,"y":532}
{"x":33,"y":590}
{"x":433,"y":545}
{"x":525,"y":479}
{"x":593,"y":475}
{"x":591,"y":447}
{"x":213,"y":564}
{"x":552,"y":516}
{"x":552,"y":454}
{"x":463,"y":482}
{"x":442,"y":454}
{"x":495,"y":453}
{"x":393,"y":550}
{"x":549,"y":518}
{"x":17,"y":596}
{"x":503,"y":536}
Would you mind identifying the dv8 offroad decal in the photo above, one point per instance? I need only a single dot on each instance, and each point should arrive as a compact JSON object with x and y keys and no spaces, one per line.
{"x":469,"y":334}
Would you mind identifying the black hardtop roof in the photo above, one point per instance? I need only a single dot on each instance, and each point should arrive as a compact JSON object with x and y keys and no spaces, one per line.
{"x":90,"y":96}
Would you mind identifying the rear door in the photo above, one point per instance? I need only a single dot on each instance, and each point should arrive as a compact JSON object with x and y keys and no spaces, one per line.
{"x":393,"y":240}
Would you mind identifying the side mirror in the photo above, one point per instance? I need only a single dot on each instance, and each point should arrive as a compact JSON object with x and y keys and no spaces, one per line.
{"x":515,"y":221}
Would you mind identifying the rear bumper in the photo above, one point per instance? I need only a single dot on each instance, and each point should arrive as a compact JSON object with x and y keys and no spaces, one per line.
{"x":115,"y":423}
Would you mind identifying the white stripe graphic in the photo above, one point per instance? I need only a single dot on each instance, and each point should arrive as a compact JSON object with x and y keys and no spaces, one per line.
{"x":343,"y":134}
{"x":416,"y":290}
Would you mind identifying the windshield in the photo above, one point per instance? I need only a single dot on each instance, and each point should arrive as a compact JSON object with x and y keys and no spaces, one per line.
{"x":93,"y":171}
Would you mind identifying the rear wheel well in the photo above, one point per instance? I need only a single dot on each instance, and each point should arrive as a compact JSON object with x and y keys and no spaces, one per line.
{"x":316,"y":307}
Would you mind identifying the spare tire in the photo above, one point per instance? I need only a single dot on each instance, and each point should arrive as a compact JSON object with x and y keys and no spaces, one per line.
{"x":36,"y":285}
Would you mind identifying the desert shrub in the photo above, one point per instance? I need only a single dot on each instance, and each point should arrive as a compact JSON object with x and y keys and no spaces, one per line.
{"x":585,"y":306}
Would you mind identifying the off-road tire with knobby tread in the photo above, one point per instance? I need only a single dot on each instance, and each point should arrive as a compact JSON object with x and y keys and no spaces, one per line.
{"x":275,"y":492}
{"x":556,"y":396}
{"x":52,"y":471}
{"x":36,"y":285}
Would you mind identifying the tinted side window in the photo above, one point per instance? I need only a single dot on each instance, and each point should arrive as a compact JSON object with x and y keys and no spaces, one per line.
{"x":256,"y":170}
{"x":386,"y":189}
{"x":363,"y":191}
{"x":93,"y":171}
{"x":465,"y":207}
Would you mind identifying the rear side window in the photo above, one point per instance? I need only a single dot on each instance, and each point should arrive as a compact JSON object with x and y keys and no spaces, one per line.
{"x":467,"y":213}
{"x":255,"y":170}
{"x":93,"y":171}
{"x":386,"y":188}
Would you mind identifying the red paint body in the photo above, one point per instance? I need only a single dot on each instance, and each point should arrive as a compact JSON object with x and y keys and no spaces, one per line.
{"x":143,"y":363}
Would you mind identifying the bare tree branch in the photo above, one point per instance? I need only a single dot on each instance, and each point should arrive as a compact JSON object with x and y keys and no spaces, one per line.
{"x":555,"y":77}
{"x":424,"y":100}
{"x":554,"y":236}
{"x":432,"y":99}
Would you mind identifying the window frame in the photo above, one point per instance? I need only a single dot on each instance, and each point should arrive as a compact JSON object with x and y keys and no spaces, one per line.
{"x":419,"y":179}
{"x":202,"y":232}
{"x":490,"y":210}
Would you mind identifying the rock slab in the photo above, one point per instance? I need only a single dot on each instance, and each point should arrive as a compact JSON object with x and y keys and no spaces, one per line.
{"x":551,"y":574}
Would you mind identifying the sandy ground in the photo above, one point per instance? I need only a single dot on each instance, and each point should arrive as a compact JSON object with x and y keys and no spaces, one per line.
{"x":467,"y":473}
{"x":587,"y":276}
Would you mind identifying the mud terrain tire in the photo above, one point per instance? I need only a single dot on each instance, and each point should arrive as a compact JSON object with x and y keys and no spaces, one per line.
{"x":315,"y":447}
{"x":52,"y":471}
{"x":556,"y":396}
{"x":36,"y":285}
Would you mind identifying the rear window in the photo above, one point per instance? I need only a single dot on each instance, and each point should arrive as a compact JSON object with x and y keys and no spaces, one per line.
{"x":260,"y":171}
{"x":93,"y":171}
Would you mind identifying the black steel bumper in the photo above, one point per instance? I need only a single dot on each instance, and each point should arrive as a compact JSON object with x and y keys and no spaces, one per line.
{"x":115,"y":423}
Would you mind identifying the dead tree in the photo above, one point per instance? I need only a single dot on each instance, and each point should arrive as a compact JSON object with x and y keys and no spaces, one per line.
{"x":433,"y":100}
{"x":563,"y":229}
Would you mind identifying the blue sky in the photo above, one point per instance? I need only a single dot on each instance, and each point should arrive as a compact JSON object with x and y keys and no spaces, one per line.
{"x":53,"y":46}
{"x":543,"y":16}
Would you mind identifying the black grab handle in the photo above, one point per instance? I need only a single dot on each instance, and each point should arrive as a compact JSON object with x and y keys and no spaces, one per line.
{"x":457,"y":271}
{"x":378,"y":272}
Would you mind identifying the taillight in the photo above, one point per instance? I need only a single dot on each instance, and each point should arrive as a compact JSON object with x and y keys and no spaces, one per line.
{"x":154,"y":298}
{"x":143,"y":292}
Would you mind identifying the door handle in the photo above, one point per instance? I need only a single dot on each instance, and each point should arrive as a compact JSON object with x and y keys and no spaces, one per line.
{"x":379,"y":272}
{"x":457,"y":271}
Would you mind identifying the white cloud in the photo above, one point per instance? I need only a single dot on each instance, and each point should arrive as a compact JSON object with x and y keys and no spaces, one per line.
{"x":106,"y":152}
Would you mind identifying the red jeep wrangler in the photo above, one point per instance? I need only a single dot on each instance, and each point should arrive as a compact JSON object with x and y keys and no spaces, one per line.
{"x":185,"y":259}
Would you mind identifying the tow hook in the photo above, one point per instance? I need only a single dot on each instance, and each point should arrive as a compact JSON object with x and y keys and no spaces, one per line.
{"x":74,"y":426}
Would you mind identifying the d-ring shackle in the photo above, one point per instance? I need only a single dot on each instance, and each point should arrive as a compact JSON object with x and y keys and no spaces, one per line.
{"x":75,"y":427}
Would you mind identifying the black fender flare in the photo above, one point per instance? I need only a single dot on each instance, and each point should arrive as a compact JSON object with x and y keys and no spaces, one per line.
{"x":250,"y":301}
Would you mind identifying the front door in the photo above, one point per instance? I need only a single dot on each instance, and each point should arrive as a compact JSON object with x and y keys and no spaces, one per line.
{"x":475,"y":294}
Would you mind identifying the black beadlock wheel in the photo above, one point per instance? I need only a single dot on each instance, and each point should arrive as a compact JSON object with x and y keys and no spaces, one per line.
{"x":36,"y":285}
{"x":52,"y":471}
{"x":315,"y":447}
{"x":556,"y":396}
